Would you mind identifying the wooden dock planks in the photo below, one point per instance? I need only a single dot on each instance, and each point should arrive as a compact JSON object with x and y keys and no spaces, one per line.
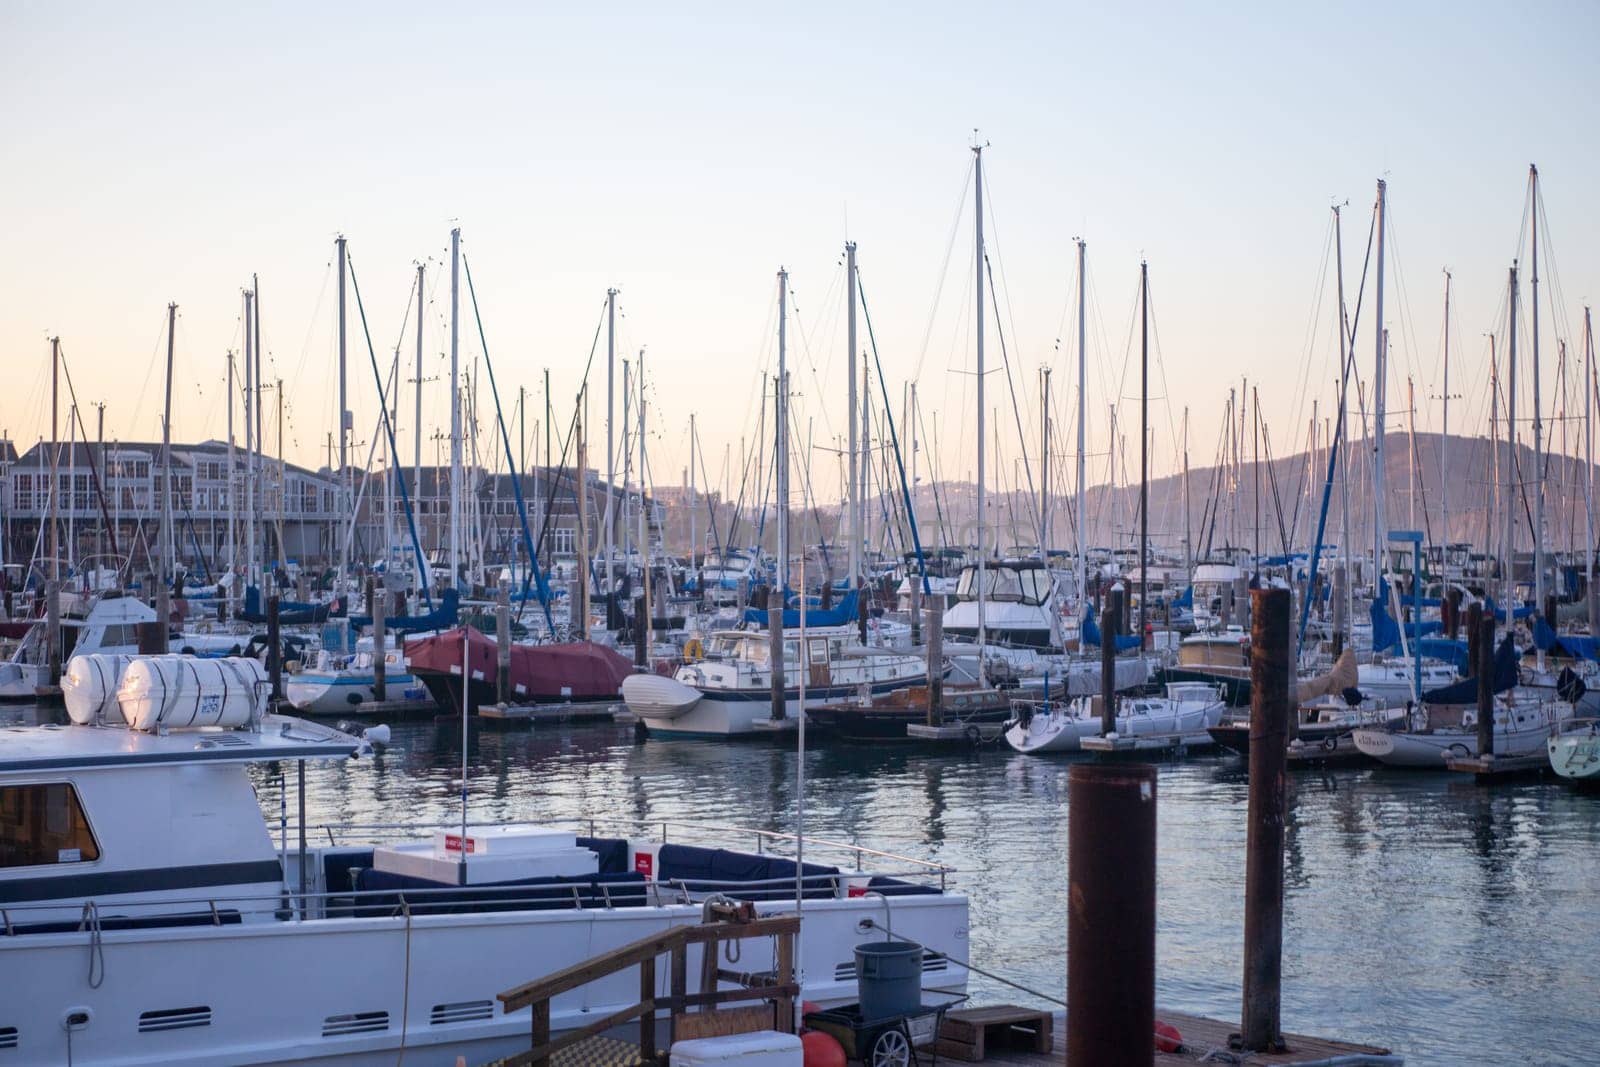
{"x":1200,"y":1036}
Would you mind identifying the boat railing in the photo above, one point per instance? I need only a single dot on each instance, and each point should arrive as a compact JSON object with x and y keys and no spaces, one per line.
{"x":668,"y":828}
{"x":291,"y":903}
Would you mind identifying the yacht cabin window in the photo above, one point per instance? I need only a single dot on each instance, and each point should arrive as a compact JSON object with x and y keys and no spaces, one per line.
{"x":43,"y":824}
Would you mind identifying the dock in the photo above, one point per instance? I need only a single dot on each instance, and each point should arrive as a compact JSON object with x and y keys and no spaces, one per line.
{"x":1319,"y":754}
{"x":1492,"y":768}
{"x":1145,"y":744}
{"x":511,"y":716}
{"x":965,"y":734}
{"x":1201,"y":1038}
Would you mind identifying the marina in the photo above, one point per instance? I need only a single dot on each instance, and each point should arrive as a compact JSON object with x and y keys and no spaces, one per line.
{"x":559,"y":538}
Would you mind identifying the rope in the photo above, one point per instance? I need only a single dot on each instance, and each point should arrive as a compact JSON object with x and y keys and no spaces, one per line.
{"x":405,"y":989}
{"x":97,"y":948}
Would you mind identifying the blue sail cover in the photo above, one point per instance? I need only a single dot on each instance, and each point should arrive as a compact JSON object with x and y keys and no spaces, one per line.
{"x":1466,"y":690}
{"x":1386,"y":632}
{"x":442,"y":617}
{"x":841,"y":614}
{"x":1185,"y":598}
{"x":1546,"y":639}
{"x":1500,"y":616}
{"x":1090,"y":635}
{"x":290,"y":612}
{"x":1446,"y":650}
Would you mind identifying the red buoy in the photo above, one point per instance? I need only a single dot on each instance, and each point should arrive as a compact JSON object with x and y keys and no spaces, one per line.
{"x":1167,"y":1037}
{"x":821,"y":1050}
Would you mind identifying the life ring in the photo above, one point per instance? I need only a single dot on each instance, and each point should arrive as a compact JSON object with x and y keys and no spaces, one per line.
{"x":693,"y":650}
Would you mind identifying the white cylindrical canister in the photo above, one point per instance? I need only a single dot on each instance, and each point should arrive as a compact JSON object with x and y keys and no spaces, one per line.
{"x":89,"y":687}
{"x":178,"y":691}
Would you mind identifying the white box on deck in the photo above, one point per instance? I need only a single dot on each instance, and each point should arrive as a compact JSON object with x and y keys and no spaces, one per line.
{"x":493,"y":854}
{"x":503,"y":840}
{"x":764,"y":1048}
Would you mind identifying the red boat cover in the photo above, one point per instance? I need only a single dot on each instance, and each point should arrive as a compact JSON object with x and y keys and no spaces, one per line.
{"x":585,"y":671}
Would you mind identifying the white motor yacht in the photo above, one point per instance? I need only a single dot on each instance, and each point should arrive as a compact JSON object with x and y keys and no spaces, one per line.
{"x":153,"y":915}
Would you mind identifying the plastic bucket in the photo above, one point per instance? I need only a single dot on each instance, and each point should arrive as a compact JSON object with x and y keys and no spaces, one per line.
{"x":889,"y":978}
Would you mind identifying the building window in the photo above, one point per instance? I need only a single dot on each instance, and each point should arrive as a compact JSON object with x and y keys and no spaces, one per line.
{"x":562,"y":541}
{"x":43,"y":824}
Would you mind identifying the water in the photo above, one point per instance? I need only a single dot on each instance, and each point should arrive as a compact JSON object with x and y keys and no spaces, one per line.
{"x":1451,"y":922}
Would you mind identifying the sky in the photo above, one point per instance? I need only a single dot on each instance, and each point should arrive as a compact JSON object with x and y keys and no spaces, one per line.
{"x":683,"y":156}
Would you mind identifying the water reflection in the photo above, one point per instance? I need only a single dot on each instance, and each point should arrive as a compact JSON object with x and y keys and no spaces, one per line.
{"x":1454,"y":922}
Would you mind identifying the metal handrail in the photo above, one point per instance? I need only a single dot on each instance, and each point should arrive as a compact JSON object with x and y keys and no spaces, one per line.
{"x":210,"y":907}
{"x":929,"y":866}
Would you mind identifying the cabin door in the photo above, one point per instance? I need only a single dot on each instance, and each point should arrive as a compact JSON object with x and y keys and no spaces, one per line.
{"x":817,"y":655}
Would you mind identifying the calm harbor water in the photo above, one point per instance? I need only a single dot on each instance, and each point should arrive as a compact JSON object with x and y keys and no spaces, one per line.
{"x":1454,"y":923}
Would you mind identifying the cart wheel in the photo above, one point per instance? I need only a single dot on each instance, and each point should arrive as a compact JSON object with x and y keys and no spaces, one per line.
{"x":891,"y":1049}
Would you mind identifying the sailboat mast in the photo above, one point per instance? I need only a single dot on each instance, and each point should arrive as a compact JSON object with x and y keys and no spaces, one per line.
{"x":55,"y":462}
{"x":1588,"y":470}
{"x":455,"y":407}
{"x":1188,"y":544}
{"x":1342,"y":442}
{"x":416,"y":427}
{"x":233,"y":484}
{"x":854,"y":522}
{"x":644,"y":519}
{"x":1444,"y":433}
{"x":344,"y":411}
{"x":1379,"y":394}
{"x":1511,"y":454}
{"x":167,"y":561}
{"x":977,"y":263}
{"x":249,"y":441}
{"x":1144,"y":443}
{"x":1538,"y":425}
{"x":780,"y":410}
{"x":1083,"y":544}
{"x":694,"y":511}
{"x":1044,"y":472}
{"x":611,"y":458}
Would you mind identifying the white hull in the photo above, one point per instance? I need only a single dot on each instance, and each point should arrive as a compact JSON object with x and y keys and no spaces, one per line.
{"x":341,"y":693}
{"x":275,"y":992}
{"x":1575,"y":755}
{"x":1429,"y":750}
{"x":1064,"y":728}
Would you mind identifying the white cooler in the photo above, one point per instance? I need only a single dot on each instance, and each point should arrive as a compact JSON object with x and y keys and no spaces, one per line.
{"x":764,"y":1048}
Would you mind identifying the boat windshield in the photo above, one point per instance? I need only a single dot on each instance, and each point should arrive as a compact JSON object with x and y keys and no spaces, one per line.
{"x":1026,"y":585}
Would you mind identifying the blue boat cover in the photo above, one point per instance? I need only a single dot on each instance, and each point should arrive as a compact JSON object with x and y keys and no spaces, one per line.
{"x":1466,"y":690}
{"x":442,"y":617}
{"x":1545,"y":639}
{"x":1090,"y":635}
{"x":841,"y":614}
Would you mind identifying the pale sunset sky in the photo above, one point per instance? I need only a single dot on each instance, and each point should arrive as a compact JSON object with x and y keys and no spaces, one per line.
{"x":683,"y":153}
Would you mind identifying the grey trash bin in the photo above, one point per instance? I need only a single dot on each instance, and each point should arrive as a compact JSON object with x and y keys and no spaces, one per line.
{"x":889,"y":978}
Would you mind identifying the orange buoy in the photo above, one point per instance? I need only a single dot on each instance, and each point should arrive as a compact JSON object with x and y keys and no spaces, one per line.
{"x":1167,"y":1037}
{"x":821,"y":1050}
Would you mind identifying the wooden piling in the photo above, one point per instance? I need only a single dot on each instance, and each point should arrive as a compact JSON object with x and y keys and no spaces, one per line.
{"x":52,"y":626}
{"x":380,"y":642}
{"x":935,"y":667}
{"x":1108,"y":671}
{"x":1474,"y":626}
{"x":502,"y":640}
{"x":274,"y":648}
{"x":861,"y":613}
{"x":641,"y":632}
{"x":1270,"y":708}
{"x":915,"y":582}
{"x":1111,"y":914}
{"x":163,"y":606}
{"x":1340,"y":624}
{"x":1486,"y":687}
{"x":775,"y":636}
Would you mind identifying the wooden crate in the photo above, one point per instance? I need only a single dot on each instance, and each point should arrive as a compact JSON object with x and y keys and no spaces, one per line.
{"x":974,"y":1033}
